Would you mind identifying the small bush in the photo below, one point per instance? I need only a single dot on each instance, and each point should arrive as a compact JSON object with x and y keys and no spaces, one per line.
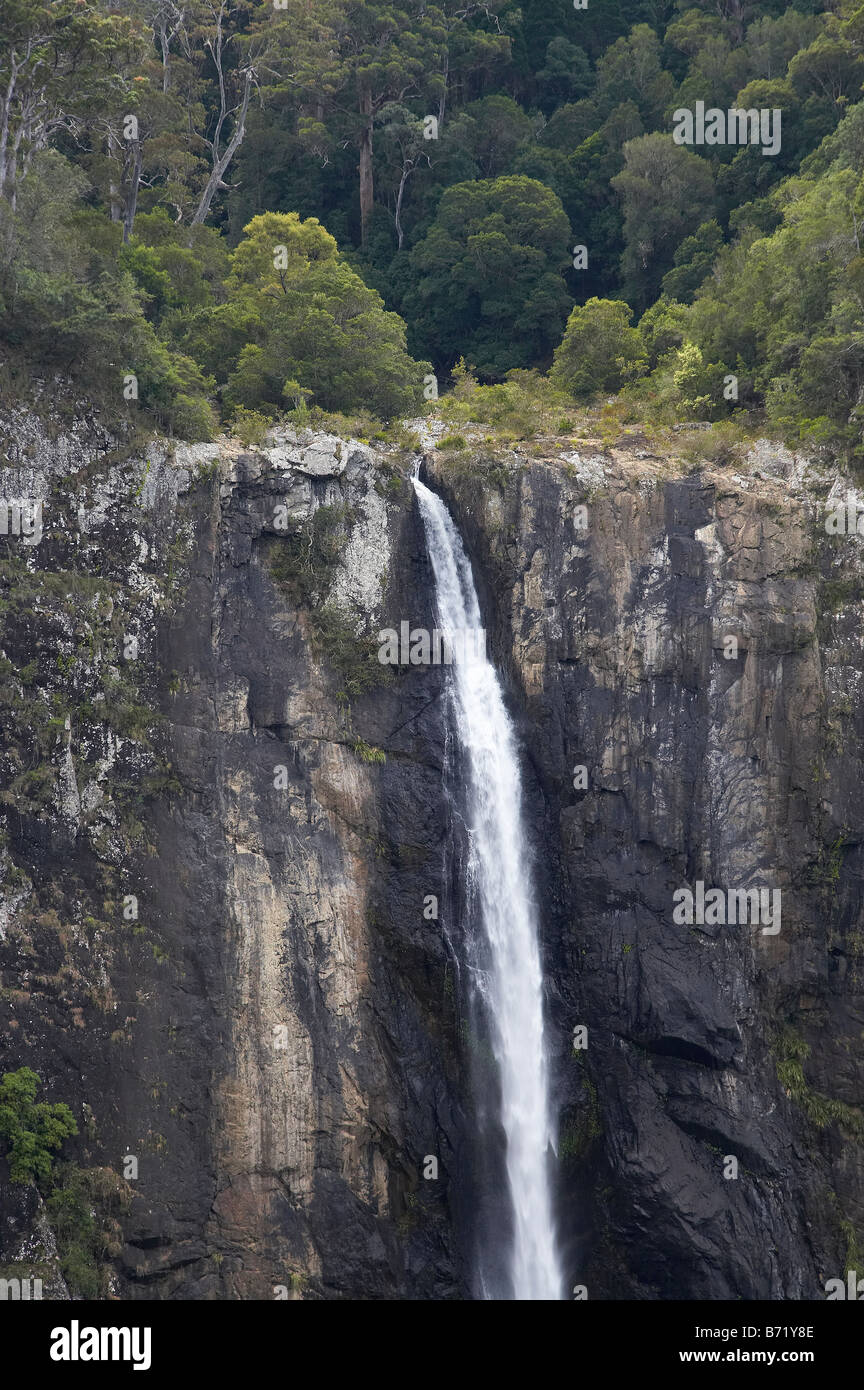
{"x":249,"y":426}
{"x":368,"y":752}
{"x":83,"y":1209}
{"x":353,"y":658}
{"x":31,"y":1131}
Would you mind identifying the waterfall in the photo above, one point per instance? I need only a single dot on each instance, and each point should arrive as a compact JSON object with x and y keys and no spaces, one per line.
{"x":511,"y":983}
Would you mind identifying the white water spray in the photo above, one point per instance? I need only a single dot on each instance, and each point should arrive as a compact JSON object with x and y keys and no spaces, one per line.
{"x":513,"y":987}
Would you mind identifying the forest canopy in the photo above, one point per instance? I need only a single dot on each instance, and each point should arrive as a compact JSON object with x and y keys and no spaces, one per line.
{"x":211,"y":206}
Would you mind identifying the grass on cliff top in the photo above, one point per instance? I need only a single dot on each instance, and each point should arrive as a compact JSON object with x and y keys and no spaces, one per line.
{"x":529,"y":412}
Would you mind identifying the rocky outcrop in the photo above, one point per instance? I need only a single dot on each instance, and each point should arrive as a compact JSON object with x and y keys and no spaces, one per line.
{"x":224,"y":819}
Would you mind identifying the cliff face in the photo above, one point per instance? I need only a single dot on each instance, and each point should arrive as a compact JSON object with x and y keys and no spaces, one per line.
{"x":734,"y":763}
{"x":225,"y":820}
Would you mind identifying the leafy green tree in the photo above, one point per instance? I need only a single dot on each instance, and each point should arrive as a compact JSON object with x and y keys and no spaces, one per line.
{"x":631,"y":70}
{"x":698,"y":385}
{"x":666,"y":192}
{"x":734,"y":15}
{"x":566,"y":74}
{"x":693,"y":261}
{"x":717,"y":70}
{"x":32,"y":1131}
{"x":58,"y":61}
{"x":829,"y":68}
{"x":298,"y":319}
{"x":784,"y":311}
{"x":600,"y":350}
{"x":355,"y":58}
{"x":595,"y":218}
{"x":71,"y":303}
{"x":194,"y":259}
{"x":489,"y":276}
{"x":662,"y":329}
{"x":493,"y":129}
{"x":570,"y":125}
{"x":773,"y":41}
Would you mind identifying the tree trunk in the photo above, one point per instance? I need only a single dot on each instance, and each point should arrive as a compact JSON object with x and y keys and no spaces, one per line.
{"x":115,"y":201}
{"x":4,"y":124}
{"x":366,"y":186}
{"x":220,"y":163}
{"x":166,"y":55}
{"x":131,"y":202}
{"x":443,"y":98}
{"x":402,"y":182}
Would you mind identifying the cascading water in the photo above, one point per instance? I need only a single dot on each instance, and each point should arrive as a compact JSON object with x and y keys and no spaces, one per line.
{"x":500,"y":867}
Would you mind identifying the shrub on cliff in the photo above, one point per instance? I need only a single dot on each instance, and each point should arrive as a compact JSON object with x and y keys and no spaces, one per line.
{"x":32,"y":1132}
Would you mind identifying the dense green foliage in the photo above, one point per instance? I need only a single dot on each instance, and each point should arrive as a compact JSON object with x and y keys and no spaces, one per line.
{"x":83,"y":1208}
{"x":481,"y":171}
{"x":31,"y":1131}
{"x":487,"y":278}
{"x":600,"y":350}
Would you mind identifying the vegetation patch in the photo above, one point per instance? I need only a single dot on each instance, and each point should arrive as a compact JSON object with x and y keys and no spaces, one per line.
{"x":791,"y":1051}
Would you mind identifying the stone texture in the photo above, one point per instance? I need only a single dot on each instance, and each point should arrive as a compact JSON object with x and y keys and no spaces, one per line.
{"x":279,"y":1036}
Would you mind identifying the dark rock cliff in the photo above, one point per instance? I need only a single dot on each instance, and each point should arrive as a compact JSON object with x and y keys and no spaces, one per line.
{"x":738,"y":768}
{"x":223,"y":818}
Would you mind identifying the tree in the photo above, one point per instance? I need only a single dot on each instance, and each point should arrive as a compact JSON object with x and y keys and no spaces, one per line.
{"x":631,"y":70}
{"x":773,"y":42}
{"x":489,"y":281}
{"x":784,"y":311}
{"x":715,"y":67}
{"x":299,"y":320}
{"x":594,"y":216}
{"x":735,"y":14}
{"x":32,"y":1132}
{"x":662,"y":329}
{"x":493,"y":130}
{"x":57,"y":63}
{"x":234,"y":65}
{"x":830,"y":68}
{"x":406,"y":149}
{"x":693,"y":261}
{"x":665,"y":192}
{"x":355,"y":58}
{"x":698,"y":385}
{"x":600,"y":351}
{"x":566,"y":75}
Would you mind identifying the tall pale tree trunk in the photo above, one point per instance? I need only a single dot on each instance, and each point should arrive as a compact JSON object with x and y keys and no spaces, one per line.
{"x":221,"y":161}
{"x":366,"y":185}
{"x":115,"y":200}
{"x":131,"y":201}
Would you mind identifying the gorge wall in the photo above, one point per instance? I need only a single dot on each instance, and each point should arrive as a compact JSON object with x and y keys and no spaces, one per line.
{"x":223,"y":818}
